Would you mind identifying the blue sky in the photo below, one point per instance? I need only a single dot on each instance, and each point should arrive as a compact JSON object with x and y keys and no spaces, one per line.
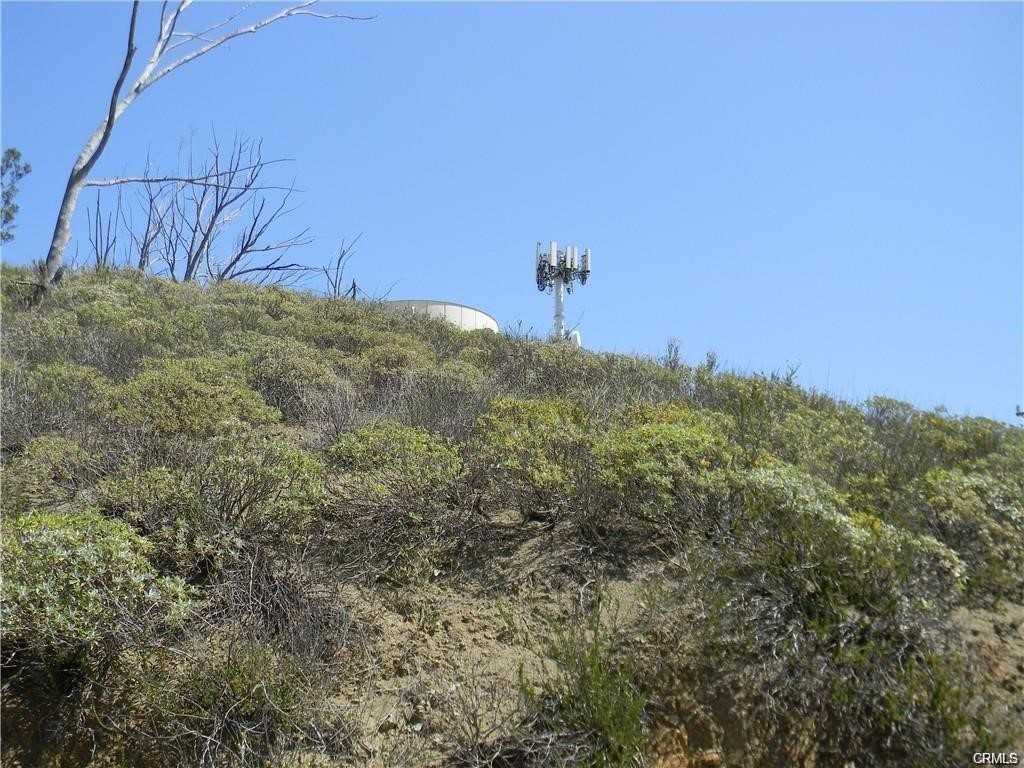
{"x":836,"y":186}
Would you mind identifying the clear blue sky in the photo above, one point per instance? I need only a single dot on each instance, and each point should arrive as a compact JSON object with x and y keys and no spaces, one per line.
{"x":837,"y":186}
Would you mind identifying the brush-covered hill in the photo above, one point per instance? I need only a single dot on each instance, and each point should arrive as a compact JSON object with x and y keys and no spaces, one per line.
{"x":250,"y":526}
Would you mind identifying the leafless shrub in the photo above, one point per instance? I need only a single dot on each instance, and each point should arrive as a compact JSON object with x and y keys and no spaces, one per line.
{"x":476,"y":712}
{"x":383,"y":541}
{"x":446,"y":400}
{"x":287,"y":598}
{"x":224,"y":699}
{"x":530,"y":750}
{"x":103,"y":234}
{"x":336,"y":411}
{"x":334,"y":272}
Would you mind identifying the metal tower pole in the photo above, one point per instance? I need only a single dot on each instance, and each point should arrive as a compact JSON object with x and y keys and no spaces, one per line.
{"x":557,"y":272}
{"x":559,"y":286}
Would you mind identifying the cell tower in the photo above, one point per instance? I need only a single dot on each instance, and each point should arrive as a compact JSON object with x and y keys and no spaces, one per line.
{"x":556,"y":272}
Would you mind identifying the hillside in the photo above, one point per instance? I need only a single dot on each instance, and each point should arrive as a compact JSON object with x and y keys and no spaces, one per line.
{"x":250,"y":526}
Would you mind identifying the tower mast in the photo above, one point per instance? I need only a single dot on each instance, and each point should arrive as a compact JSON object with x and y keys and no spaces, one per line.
{"x":557,"y":271}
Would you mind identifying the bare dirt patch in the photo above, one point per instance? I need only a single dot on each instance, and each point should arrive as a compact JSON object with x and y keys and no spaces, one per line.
{"x":996,"y":640}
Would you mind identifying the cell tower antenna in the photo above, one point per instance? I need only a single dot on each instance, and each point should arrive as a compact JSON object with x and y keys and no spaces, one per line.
{"x":556,"y":272}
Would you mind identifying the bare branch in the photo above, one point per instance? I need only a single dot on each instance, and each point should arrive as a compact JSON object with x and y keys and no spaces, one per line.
{"x":335,"y":271}
{"x":188,"y":37}
{"x":296,"y":10}
{"x":185,"y":216}
{"x":115,"y":95}
{"x":103,"y":235}
{"x":199,"y":181}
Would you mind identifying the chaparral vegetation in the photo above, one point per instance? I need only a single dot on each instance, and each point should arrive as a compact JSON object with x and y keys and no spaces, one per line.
{"x":252,"y":526}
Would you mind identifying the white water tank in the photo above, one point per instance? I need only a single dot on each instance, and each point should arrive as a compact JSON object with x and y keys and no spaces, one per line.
{"x":466,"y":318}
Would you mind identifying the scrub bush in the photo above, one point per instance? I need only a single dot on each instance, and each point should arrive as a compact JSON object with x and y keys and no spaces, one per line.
{"x":589,"y":713}
{"x":408,"y":466}
{"x":52,"y":397}
{"x":189,"y":398}
{"x":663,"y":466}
{"x":833,"y":442}
{"x":915,"y":441}
{"x":379,"y":368}
{"x":243,"y":490}
{"x":35,"y":337}
{"x":983,"y":521}
{"x":446,"y":399}
{"x":399,"y":490}
{"x":599,"y":383}
{"x":592,"y":708}
{"x":117,"y":336}
{"x":287,"y":373}
{"x":532,"y":454}
{"x":755,"y":405}
{"x":77,"y":588}
{"x":819,"y":635}
{"x":50,"y":470}
{"x":237,"y":702}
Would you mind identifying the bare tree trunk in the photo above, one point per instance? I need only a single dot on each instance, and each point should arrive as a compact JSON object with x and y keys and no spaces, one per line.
{"x":86,"y":160}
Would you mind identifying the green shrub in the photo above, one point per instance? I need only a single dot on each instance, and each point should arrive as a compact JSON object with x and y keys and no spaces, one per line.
{"x":379,"y":368}
{"x":663,"y":465}
{"x":350,"y":338}
{"x":858,"y":560}
{"x":591,"y":712}
{"x":35,"y":337}
{"x":756,"y":405}
{"x":52,"y":397}
{"x":235,"y":309}
{"x":76,"y":584}
{"x":243,"y":490}
{"x":287,"y":373}
{"x":187,"y":398}
{"x":17,"y":287}
{"x":832,"y":442}
{"x":118,"y":335}
{"x":822,"y":634}
{"x":600,"y":383}
{"x":915,"y":441}
{"x":532,"y":454}
{"x":400,"y":491}
{"x":262,"y":483}
{"x":410,"y":466}
{"x":50,"y":470}
{"x":981,"y":519}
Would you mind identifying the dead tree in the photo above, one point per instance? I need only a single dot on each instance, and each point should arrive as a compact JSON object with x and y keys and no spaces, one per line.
{"x":214,"y":219}
{"x":173,"y":49}
{"x":103,"y":231}
{"x":334,"y":272}
{"x":153,"y":200}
